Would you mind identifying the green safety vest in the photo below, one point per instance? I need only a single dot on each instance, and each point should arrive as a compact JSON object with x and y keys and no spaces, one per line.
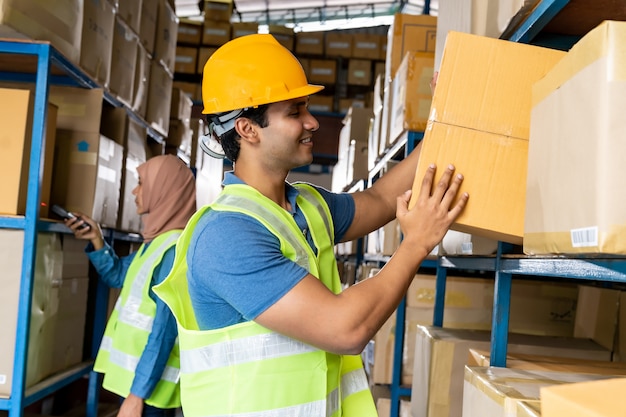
{"x":246,"y":369}
{"x":129,"y":326}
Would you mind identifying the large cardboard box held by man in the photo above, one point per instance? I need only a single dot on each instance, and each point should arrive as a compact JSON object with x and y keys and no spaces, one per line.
{"x":574,"y":198}
{"x":480,"y":121}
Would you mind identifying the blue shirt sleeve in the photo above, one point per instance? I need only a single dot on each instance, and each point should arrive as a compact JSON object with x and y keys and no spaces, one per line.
{"x":162,"y":338}
{"x":110,"y":267}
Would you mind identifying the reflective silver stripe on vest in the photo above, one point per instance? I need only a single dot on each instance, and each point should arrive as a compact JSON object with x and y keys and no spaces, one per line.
{"x":283,"y":229}
{"x":239,"y":351}
{"x":353,"y":382}
{"x":129,"y":313}
{"x":312,"y":409}
{"x":308,"y":196}
{"x":129,"y":362}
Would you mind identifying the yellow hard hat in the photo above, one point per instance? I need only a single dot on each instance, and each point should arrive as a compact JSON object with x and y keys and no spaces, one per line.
{"x":250,"y":71}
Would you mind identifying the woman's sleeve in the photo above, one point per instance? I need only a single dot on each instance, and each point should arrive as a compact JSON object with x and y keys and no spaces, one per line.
{"x":110,"y":267}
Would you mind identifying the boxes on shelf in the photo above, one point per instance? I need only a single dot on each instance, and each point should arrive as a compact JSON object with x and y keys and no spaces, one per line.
{"x":496,"y":392}
{"x":148,"y":25}
{"x":130,"y":12}
{"x":123,"y":62}
{"x":218,"y":10}
{"x":475,"y":17}
{"x":135,"y":155}
{"x":338,"y":44}
{"x":459,"y":243}
{"x":204,"y":53}
{"x":603,"y":398}
{"x":565,"y":167}
{"x":411,"y":95}
{"x":181,"y":105}
{"x":310,"y":43}
{"x":441,"y":355}
{"x":409,"y":33}
{"x":60,"y":23}
{"x":97,"y":40}
{"x":597,"y":315}
{"x":480,"y":121}
{"x":321,"y":103}
{"x":216,"y":33}
{"x":142,"y":82}
{"x":189,"y":32}
{"x":322,"y":71}
{"x":186,"y":61}
{"x":16,"y":118}
{"x":368,"y":46}
{"x":165,"y":36}
{"x":159,"y":98}
{"x":360,"y":72}
{"x":244,"y":28}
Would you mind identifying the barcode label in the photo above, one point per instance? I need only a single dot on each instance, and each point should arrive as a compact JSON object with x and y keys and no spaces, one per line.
{"x":584,"y":237}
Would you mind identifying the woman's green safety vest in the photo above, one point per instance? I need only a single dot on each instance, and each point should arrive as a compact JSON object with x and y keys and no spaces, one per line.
{"x":127,"y":330}
{"x":246,"y":369}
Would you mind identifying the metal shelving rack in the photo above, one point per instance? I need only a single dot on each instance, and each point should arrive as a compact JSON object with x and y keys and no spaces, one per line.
{"x":41,"y":64}
{"x":539,"y":26}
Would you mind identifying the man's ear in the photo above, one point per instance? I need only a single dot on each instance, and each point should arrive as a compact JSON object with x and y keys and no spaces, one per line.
{"x":246,"y":129}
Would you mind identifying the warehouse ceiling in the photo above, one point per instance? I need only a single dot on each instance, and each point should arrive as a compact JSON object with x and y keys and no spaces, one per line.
{"x":298,"y":12}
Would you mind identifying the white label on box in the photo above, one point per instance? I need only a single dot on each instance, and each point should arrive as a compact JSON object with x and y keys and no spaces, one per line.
{"x":584,"y":237}
{"x":322,"y":71}
{"x":107,"y":174}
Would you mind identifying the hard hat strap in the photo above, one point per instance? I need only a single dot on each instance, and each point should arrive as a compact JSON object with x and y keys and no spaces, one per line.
{"x":224,"y":122}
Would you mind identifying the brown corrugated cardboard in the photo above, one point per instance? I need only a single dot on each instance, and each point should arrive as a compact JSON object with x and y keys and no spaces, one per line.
{"x":480,"y":121}
{"x":411,"y":94}
{"x":97,"y":39}
{"x":575,"y":153}
{"x":135,"y":155}
{"x":441,"y":355}
{"x":189,"y":32}
{"x":360,"y":72}
{"x":495,"y":392}
{"x":216,"y":33}
{"x":218,"y":10}
{"x":367,"y":46}
{"x":186,"y":61}
{"x":165,"y":36}
{"x":123,"y":62}
{"x":130,"y":11}
{"x":597,"y":315}
{"x":310,"y":43}
{"x":142,"y":82}
{"x":147,"y":32}
{"x":159,"y":98}
{"x":338,"y":44}
{"x":58,"y":22}
{"x":323,"y":71}
{"x":243,"y":28}
{"x":584,"y":399}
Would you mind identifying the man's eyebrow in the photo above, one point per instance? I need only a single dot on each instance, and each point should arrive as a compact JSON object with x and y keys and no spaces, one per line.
{"x":299,"y":104}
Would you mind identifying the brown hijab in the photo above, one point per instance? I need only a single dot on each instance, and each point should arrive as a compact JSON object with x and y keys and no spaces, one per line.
{"x":168,"y":191}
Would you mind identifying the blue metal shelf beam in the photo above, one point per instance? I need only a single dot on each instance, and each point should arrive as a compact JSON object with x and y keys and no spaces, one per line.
{"x":537,"y":20}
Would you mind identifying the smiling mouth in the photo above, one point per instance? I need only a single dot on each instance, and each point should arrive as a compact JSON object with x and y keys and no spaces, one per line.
{"x":307,"y":140}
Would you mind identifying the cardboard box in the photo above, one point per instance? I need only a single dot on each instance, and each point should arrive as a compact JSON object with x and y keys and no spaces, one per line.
{"x":148,"y":25}
{"x":495,"y":392}
{"x":97,"y":40}
{"x":130,"y":12}
{"x":479,"y":119}
{"x":338,"y":44}
{"x":189,"y":32}
{"x":142,"y":82}
{"x":483,"y":18}
{"x":159,"y":98}
{"x":367,"y":46}
{"x":186,"y":61}
{"x":58,"y":22}
{"x":322,"y":71}
{"x":16,"y":117}
{"x":458,"y":243}
{"x":218,"y":10}
{"x":216,"y":33}
{"x":603,"y":398}
{"x":165,"y":36}
{"x":243,"y":28}
{"x":88,"y":175}
{"x":134,"y":155}
{"x":441,"y":355}
{"x":45,"y":305}
{"x":321,"y":103}
{"x":310,"y":43}
{"x":411,"y":94}
{"x":597,"y":315}
{"x":565,"y":168}
{"x":181,"y":106}
{"x":123,"y":62}
{"x":360,"y":72}
{"x":409,"y":33}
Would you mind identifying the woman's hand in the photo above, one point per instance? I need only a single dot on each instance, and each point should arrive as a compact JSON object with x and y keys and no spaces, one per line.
{"x":92,"y":233}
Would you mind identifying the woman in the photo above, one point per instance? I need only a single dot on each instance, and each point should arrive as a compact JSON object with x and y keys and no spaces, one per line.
{"x":139,"y":351}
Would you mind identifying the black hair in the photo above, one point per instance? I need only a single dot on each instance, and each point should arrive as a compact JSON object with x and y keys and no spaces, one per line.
{"x":230,"y":139}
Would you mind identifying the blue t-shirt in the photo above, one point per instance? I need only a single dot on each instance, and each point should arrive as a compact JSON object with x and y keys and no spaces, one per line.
{"x":112,"y":270}
{"x":236,"y":269}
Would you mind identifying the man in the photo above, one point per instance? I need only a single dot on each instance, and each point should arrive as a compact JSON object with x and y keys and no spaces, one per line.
{"x":264,"y":327}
